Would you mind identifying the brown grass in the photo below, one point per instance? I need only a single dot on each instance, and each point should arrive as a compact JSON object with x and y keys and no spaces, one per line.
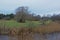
{"x":52,"y":27}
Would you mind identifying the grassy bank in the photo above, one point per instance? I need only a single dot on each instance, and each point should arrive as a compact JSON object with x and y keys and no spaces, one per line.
{"x":14,"y":28}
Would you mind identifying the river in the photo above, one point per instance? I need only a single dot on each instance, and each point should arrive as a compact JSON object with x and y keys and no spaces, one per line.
{"x":52,"y":36}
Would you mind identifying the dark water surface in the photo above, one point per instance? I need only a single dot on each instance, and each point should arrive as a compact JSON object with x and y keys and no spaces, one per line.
{"x":3,"y":37}
{"x":53,"y":36}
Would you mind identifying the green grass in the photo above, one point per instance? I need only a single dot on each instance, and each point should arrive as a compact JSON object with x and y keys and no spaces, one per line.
{"x":12,"y":23}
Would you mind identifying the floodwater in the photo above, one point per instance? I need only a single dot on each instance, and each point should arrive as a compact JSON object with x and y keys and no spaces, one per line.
{"x":37,"y":36}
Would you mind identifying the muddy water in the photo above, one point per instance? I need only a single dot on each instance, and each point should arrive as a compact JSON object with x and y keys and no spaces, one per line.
{"x":52,"y":36}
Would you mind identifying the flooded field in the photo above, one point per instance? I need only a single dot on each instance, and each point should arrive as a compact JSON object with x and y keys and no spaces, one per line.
{"x":36,"y":36}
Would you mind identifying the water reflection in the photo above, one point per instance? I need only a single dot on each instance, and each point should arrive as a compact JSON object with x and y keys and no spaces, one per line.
{"x":4,"y":37}
{"x":36,"y":36}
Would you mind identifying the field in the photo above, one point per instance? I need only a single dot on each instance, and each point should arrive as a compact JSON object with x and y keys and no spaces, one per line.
{"x":13,"y":23}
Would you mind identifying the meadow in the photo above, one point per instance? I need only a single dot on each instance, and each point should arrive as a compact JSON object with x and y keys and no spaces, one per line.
{"x":13,"y":23}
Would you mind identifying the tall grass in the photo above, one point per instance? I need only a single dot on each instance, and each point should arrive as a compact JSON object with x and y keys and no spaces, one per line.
{"x":29,"y":26}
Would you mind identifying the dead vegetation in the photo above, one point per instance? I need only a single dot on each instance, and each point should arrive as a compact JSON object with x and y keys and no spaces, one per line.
{"x":52,"y":27}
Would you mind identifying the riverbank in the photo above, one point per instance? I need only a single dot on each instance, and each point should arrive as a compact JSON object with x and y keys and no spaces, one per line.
{"x":42,"y":29}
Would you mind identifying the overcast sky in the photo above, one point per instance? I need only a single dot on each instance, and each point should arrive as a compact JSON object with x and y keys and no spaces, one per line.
{"x":36,"y":6}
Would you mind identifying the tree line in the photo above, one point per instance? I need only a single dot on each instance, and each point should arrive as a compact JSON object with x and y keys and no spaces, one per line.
{"x":22,"y":14}
{"x":7,"y":16}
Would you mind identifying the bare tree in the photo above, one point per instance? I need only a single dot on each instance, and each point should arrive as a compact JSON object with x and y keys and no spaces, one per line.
{"x":21,"y":13}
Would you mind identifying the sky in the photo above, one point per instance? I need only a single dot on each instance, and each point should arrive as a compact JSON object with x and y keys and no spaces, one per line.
{"x":41,"y":7}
